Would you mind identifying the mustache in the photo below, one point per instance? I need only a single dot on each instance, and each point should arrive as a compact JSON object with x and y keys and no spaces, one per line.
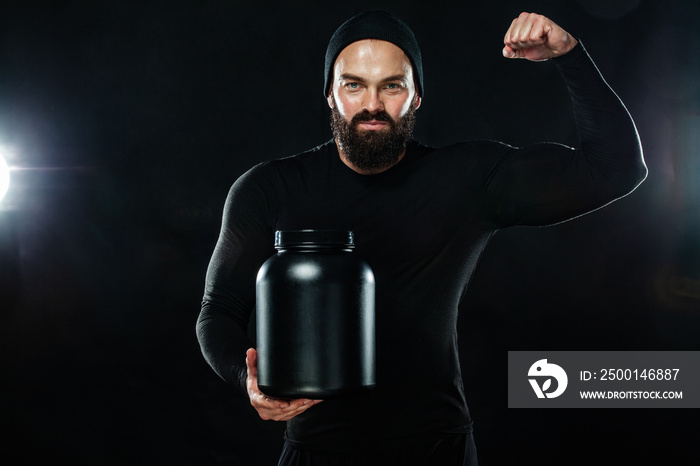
{"x":365,"y":115}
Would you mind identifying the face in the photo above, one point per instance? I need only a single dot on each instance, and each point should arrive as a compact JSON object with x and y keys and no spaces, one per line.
{"x":374,"y":75}
{"x":373,"y":100}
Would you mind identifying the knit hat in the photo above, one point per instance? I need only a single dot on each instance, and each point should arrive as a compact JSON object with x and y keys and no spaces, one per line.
{"x":374,"y":25}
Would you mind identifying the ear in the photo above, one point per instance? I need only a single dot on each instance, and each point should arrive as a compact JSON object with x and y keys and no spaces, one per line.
{"x":330,"y":99}
{"x":417,"y":101}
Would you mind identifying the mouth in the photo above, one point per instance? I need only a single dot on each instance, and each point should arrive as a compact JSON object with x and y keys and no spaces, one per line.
{"x":372,"y":125}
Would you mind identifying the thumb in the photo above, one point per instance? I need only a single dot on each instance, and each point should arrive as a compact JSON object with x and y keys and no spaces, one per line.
{"x":509,"y":52}
{"x":251,"y":360}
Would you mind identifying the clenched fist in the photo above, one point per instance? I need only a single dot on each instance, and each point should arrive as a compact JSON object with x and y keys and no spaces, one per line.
{"x":536,"y":38}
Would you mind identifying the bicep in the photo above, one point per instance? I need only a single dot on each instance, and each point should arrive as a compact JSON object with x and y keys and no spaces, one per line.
{"x":245,"y":242}
{"x":543,"y":184}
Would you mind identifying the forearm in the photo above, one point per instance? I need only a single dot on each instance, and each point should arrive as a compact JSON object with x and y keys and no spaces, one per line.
{"x":223,"y":341}
{"x":608,"y":139}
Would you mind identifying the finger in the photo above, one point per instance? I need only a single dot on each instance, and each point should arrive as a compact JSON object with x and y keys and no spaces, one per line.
{"x":509,"y":31}
{"x":297,"y":408}
{"x":267,"y":406}
{"x":516,"y":29}
{"x":534,"y":33}
{"x":251,"y":361}
{"x":512,"y":32}
{"x":264,"y":401}
{"x":538,"y":33}
{"x":302,"y":403}
{"x":294,"y":405}
{"x":522,"y":36}
{"x":257,"y":398}
{"x":513,"y":39}
{"x":268,"y":402}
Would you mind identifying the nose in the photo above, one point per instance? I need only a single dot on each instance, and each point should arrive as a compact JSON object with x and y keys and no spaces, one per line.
{"x":373,"y":102}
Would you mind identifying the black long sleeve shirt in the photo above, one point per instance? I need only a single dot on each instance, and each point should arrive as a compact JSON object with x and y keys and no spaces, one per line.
{"x":421,"y":226}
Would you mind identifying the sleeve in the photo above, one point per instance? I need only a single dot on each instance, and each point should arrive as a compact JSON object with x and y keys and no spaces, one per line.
{"x":550,"y":183}
{"x":244,"y":243}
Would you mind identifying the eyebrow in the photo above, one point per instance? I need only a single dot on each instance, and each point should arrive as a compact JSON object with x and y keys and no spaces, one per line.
{"x":352,"y":77}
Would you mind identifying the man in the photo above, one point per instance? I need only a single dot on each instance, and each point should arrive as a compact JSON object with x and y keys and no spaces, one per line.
{"x":421,"y":217}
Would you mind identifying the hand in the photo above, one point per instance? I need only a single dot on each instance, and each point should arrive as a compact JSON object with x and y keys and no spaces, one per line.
{"x":536,"y":38}
{"x":271,"y":408}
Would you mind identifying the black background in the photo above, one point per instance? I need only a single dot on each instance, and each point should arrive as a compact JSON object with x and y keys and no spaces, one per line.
{"x":125,"y":123}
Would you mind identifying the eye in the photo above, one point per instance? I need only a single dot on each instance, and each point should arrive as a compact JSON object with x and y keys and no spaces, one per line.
{"x":352,"y":86}
{"x":393,"y":88}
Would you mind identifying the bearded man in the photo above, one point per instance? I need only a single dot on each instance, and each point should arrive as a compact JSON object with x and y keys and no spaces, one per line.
{"x":421,"y":217}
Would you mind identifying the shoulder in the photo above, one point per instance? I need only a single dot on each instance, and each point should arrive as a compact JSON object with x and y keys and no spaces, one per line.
{"x":307,"y":157}
{"x":271,"y":170}
{"x":464,"y":152}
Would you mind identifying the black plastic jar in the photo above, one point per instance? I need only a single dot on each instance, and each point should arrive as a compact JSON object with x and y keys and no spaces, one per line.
{"x":315,"y":317}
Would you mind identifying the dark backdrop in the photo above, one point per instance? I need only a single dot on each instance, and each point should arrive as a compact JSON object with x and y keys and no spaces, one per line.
{"x":125,"y":123}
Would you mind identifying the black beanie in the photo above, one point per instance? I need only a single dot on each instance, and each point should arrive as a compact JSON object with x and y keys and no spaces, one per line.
{"x":374,"y":25}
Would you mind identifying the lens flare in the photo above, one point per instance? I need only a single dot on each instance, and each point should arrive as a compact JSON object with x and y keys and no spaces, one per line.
{"x":4,"y":177}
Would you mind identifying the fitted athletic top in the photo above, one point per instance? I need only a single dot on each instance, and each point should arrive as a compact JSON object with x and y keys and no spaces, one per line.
{"x":421,"y":226}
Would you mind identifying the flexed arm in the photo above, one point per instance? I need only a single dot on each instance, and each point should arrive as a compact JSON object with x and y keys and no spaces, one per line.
{"x":549,"y":183}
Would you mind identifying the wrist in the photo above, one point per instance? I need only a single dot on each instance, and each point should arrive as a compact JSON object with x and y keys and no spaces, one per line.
{"x":568,"y":44}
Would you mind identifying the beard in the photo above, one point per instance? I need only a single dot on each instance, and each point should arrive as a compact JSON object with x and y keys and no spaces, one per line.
{"x":372,"y":150}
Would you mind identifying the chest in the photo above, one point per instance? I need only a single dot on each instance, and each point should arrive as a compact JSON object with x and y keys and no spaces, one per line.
{"x":400,"y":223}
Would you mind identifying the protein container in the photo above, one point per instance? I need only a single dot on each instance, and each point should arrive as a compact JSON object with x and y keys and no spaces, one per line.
{"x":315,"y":317}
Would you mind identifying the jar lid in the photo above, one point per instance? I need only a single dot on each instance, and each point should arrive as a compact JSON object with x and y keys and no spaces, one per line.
{"x":314,"y":238}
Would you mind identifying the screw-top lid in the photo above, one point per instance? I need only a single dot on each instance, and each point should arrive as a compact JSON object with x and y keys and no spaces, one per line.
{"x":314,"y":239}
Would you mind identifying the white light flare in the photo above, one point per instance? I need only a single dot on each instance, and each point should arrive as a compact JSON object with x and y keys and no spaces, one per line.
{"x":4,"y":177}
